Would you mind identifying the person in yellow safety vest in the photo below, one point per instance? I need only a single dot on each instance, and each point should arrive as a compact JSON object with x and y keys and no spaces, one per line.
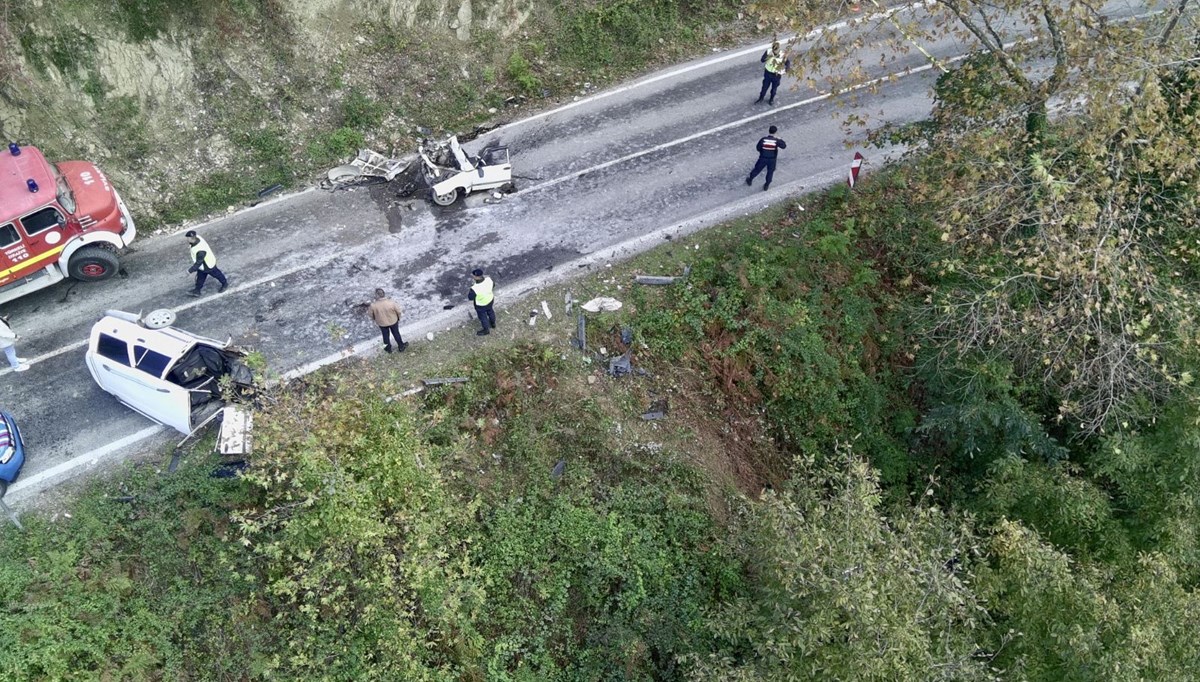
{"x":204,"y":263}
{"x":481,"y":295}
{"x":776,"y":65}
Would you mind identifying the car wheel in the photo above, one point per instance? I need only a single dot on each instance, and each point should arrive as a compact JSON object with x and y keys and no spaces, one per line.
{"x":93,"y":264}
{"x":445,"y":199}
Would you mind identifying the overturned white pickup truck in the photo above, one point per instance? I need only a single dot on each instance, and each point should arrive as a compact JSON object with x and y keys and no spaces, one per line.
{"x":169,"y":375}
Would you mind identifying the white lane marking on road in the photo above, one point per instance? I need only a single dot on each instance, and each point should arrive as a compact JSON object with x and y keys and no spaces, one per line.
{"x":87,"y":458}
{"x":710,"y":62}
{"x":199,"y":302}
{"x":726,"y":126}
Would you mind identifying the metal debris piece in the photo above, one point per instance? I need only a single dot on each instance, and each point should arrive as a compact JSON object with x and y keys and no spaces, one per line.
{"x":228,"y":469}
{"x":658,"y":410}
{"x":620,"y":365}
{"x":546,"y":310}
{"x":444,"y":380}
{"x":569,"y":300}
{"x":580,"y":340}
{"x":404,"y":394}
{"x":654,"y":280}
{"x":559,"y":468}
{"x":234,"y":436}
{"x":369,"y":164}
{"x":626,"y":335}
{"x":599,"y":303}
{"x":532,"y":318}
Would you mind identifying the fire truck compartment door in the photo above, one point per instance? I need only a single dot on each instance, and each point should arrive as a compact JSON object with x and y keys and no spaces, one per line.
{"x":13,"y":252}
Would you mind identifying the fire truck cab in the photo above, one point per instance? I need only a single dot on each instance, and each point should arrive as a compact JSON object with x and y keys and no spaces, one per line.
{"x":56,"y":221}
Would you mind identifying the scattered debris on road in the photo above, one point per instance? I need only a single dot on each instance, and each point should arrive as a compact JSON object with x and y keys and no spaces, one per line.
{"x":368,"y":165}
{"x":546,"y":310}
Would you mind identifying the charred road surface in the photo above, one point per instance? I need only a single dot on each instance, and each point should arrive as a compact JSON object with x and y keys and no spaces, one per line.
{"x":602,"y":177}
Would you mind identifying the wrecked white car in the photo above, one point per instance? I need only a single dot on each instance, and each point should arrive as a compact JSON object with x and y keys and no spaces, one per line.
{"x":169,"y":375}
{"x":451,"y":172}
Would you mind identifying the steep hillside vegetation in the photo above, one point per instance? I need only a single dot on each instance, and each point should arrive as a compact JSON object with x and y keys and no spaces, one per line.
{"x":195,"y":106}
{"x":820,"y":501}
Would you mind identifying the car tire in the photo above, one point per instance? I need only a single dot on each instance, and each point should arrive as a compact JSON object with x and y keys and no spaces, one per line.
{"x":445,"y":199}
{"x":3,"y":488}
{"x":93,"y":264}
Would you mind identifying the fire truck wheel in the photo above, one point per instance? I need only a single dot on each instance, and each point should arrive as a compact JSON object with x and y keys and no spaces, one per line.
{"x":92,"y":264}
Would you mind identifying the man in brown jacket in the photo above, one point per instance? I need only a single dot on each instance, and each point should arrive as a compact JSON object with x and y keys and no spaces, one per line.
{"x":385,"y":313}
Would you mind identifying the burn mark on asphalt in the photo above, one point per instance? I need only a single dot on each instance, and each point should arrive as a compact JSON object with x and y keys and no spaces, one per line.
{"x":393,"y":198}
{"x":453,"y":283}
{"x":489,"y":238}
{"x":404,"y":280}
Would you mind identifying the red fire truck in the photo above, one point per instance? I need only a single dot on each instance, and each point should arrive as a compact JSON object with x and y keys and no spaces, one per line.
{"x":56,"y":221}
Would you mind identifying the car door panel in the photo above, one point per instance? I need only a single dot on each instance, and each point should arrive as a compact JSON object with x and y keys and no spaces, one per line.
{"x":158,"y":400}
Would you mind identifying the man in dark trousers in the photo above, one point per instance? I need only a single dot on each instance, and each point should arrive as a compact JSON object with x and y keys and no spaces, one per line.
{"x":768,"y":151}
{"x":482,"y":296}
{"x":775,"y":65}
{"x":386,"y":314}
{"x":204,"y":263}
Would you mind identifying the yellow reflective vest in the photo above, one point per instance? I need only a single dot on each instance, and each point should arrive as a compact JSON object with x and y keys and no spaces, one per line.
{"x":210,"y":259}
{"x":483,"y":291}
{"x":775,"y":64}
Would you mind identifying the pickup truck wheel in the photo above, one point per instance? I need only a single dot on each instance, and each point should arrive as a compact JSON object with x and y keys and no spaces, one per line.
{"x":445,"y":199}
{"x":93,"y":264}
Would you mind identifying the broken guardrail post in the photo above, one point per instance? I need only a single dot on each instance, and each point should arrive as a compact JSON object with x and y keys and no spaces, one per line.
{"x":655,"y":280}
{"x":444,"y":380}
{"x":580,"y":340}
{"x":12,"y":515}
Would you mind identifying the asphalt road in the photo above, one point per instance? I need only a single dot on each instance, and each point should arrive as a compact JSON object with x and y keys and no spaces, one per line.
{"x":614,"y":173}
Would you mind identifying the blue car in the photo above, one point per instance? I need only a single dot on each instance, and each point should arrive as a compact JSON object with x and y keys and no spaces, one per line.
{"x":12,"y":451}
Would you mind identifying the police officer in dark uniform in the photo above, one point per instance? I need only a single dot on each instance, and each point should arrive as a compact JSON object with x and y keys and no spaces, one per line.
{"x":768,"y":151}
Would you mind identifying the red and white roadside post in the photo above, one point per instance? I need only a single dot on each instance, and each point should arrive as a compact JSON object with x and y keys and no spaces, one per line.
{"x":854,"y":166}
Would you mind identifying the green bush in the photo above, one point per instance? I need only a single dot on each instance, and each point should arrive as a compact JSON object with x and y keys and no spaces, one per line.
{"x":522,"y":74}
